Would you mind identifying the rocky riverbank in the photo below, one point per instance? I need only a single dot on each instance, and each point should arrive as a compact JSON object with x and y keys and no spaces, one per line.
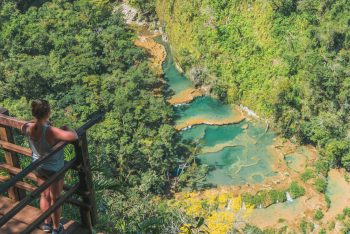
{"x":288,"y":165}
{"x":156,"y":50}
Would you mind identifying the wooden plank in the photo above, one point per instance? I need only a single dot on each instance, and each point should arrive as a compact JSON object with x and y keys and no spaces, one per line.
{"x":9,"y":121}
{"x":19,"y":184}
{"x":20,"y":221}
{"x":15,"y":148}
{"x":27,"y":216}
{"x":50,"y":210}
{"x":15,"y":170}
{"x":17,"y":226}
{"x":25,"y":186}
{"x":10,"y":157}
{"x":35,"y":194}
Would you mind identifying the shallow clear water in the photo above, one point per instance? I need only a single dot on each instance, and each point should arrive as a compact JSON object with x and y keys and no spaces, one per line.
{"x":220,"y":134}
{"x":298,"y":160}
{"x":234,"y":154}
{"x":205,"y":108}
{"x":180,"y":83}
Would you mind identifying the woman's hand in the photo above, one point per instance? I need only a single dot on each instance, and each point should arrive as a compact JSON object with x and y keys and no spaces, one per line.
{"x":64,"y":127}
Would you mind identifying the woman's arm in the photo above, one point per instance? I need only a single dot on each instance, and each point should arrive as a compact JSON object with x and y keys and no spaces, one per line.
{"x":64,"y":134}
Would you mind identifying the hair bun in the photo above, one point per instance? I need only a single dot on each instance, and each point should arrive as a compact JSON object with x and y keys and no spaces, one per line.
{"x":36,"y":102}
{"x":40,"y":108}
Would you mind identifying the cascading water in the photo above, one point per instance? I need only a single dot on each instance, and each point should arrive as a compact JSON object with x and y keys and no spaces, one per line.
{"x":289,"y":198}
{"x":235,"y":153}
{"x":243,"y":206}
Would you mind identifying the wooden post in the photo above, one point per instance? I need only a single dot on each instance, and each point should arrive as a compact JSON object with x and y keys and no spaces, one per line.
{"x":11,"y":158}
{"x":88,"y":215}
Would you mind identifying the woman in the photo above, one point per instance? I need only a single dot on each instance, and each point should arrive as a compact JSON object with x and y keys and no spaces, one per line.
{"x":42,"y":137}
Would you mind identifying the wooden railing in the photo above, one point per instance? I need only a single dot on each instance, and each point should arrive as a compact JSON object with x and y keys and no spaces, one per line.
{"x":16,"y":188}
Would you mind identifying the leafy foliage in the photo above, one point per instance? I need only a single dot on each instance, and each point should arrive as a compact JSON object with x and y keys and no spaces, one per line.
{"x":308,"y":174}
{"x":296,"y":190}
{"x":319,"y":214}
{"x":266,"y":198}
{"x":321,"y":185}
{"x":285,"y":59}
{"x":80,"y":56}
{"x":146,"y":7}
{"x":211,"y":211}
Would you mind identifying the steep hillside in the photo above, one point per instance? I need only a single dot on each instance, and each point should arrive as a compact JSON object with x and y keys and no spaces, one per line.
{"x":285,"y":59}
{"x":80,"y":56}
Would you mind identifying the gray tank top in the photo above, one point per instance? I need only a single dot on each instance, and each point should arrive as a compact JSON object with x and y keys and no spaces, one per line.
{"x":41,"y":147}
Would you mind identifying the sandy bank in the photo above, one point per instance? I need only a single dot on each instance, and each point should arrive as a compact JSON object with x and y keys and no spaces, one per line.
{"x":237,"y":117}
{"x":186,"y":96}
{"x":157,"y":51}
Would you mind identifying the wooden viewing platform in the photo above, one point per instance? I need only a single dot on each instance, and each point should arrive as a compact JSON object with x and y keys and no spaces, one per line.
{"x":16,"y":195}
{"x":26,"y":216}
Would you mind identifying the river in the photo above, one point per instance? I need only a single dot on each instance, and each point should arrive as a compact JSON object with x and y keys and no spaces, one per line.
{"x":236,"y":151}
{"x":245,"y":156}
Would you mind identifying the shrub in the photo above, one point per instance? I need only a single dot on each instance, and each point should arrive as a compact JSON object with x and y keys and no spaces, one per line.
{"x":303,"y":226}
{"x":308,"y":174}
{"x":282,"y":230}
{"x":319,"y":214}
{"x":328,"y":201}
{"x":346,"y":177}
{"x":346,"y":211}
{"x":331,"y":226}
{"x":322,"y":166}
{"x":277,"y":196}
{"x":250,"y":199}
{"x":312,"y":227}
{"x":340,"y":217}
{"x":296,"y":190}
{"x":265,"y":198}
{"x":321,"y":185}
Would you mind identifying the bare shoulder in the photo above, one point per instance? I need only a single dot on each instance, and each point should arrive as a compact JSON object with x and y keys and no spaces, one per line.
{"x":30,"y":130}
{"x":28,"y":127}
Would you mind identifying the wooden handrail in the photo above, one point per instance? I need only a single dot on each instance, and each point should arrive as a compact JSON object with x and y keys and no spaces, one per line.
{"x":60,"y":145}
{"x":19,"y":184}
{"x":56,"y":148}
{"x":9,"y":121}
{"x":15,"y":148}
{"x":11,"y":158}
{"x":15,"y":170}
{"x":80,"y":163}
